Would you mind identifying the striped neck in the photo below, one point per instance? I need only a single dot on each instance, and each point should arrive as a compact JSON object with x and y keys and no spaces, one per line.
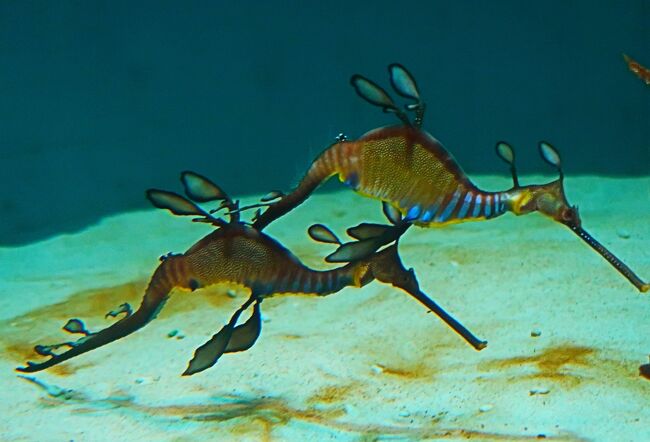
{"x":462,"y":205}
{"x":306,"y":280}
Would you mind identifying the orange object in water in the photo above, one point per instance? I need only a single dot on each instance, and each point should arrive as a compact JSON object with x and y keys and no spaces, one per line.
{"x":639,"y":70}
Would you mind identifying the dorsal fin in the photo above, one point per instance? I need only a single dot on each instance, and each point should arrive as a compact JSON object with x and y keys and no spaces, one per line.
{"x":201,"y":189}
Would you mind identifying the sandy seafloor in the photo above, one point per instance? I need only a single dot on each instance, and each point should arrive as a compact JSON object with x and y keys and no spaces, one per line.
{"x":363,"y":364}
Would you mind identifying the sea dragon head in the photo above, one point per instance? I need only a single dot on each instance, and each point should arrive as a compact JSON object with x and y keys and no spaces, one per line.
{"x":550,"y":200}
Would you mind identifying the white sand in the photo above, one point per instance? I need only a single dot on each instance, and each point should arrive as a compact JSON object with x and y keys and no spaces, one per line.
{"x":364,"y":364}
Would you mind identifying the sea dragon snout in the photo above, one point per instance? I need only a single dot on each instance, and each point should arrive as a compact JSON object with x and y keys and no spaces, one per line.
{"x":550,"y":200}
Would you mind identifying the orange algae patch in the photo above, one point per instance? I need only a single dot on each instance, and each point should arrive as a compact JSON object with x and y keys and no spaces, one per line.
{"x":554,"y":363}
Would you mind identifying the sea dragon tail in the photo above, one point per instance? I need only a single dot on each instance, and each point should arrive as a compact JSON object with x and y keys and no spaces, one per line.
{"x":167,"y":276}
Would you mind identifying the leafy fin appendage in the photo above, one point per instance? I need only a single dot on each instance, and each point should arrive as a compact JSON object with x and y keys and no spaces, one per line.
{"x":196,"y":187}
{"x":392,"y":214}
{"x":322,"y":233}
{"x":90,"y":341}
{"x":353,"y":251}
{"x":175,"y":203}
{"x":403,"y":82}
{"x":201,"y":189}
{"x":551,"y":156}
{"x":245,"y":336}
{"x":376,"y":95}
{"x":507,"y":154}
{"x":370,"y":237}
{"x":367,"y":230}
{"x":406,"y":86}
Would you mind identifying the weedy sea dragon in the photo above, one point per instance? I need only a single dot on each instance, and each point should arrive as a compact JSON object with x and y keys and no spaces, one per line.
{"x":409,"y":169}
{"x":238,"y":253}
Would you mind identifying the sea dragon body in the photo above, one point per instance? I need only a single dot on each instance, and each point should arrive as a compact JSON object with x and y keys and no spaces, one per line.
{"x":406,"y":167}
{"x":237,"y":253}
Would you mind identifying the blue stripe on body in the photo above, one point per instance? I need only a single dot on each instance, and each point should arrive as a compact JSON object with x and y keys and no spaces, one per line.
{"x":431,"y":211}
{"x":413,"y":213}
{"x":446,"y":214}
{"x":477,"y":206}
{"x":465,"y":207}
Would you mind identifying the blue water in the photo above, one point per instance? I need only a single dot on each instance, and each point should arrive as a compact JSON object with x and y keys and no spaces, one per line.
{"x":101,"y":100}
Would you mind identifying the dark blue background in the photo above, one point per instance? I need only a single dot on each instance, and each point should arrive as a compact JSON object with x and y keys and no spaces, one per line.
{"x":102,"y":99}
